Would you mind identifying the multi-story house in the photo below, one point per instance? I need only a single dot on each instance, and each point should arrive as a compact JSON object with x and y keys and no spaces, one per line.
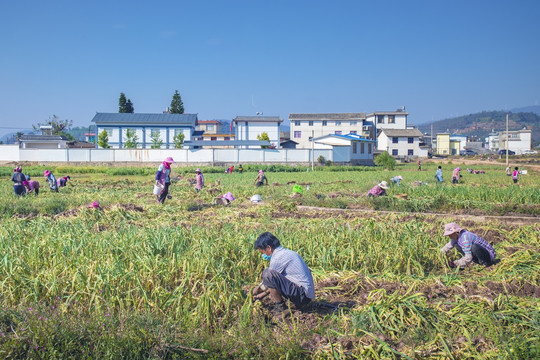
{"x":215,"y":130}
{"x":518,"y":141}
{"x":401,"y":143}
{"x":247,"y":128}
{"x":306,"y":126}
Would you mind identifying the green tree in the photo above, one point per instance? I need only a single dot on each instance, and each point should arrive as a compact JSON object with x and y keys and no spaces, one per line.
{"x":156,"y":140}
{"x":122,"y":101}
{"x":59,"y":127}
{"x":131,"y":140}
{"x":103,"y":140}
{"x":178,"y":140}
{"x":386,"y":160}
{"x":263,"y":137}
{"x":19,"y":134}
{"x":125,"y":105}
{"x":129,"y":107}
{"x":177,"y":106}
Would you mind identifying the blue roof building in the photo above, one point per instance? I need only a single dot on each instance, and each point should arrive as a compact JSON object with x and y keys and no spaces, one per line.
{"x":156,"y":131}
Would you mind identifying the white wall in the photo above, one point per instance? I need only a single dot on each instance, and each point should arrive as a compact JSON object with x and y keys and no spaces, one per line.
{"x":9,"y":152}
{"x":195,"y":156}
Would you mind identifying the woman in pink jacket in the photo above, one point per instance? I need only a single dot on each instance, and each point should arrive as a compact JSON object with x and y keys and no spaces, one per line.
{"x":199,"y":184}
{"x":455,"y":175}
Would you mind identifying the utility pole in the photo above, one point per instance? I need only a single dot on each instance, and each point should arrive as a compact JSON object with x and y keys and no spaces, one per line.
{"x":431,"y":145}
{"x":507,"y":140}
{"x":312,"y":150}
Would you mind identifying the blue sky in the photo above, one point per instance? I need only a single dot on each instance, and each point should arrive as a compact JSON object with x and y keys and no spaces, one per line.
{"x":226,"y":58}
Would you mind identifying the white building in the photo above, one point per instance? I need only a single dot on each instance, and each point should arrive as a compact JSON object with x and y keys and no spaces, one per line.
{"x":304,"y":126}
{"x":43,"y":142}
{"x":148,"y":128}
{"x":462,"y":139}
{"x":388,"y":119}
{"x":402,"y":143}
{"x":248,"y":127}
{"x":357,"y":149}
{"x":518,"y":141}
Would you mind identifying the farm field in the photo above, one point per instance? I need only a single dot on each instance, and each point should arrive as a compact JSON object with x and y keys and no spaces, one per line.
{"x":143,"y":280}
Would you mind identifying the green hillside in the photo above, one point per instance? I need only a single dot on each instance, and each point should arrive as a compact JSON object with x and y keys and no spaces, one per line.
{"x":481,"y":124}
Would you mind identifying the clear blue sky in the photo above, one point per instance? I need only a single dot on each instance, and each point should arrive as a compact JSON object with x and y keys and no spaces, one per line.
{"x":226,"y":58}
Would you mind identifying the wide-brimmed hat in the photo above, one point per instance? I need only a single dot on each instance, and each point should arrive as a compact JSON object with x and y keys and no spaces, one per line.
{"x":197,"y":170}
{"x":229,"y":196}
{"x":451,"y":228}
{"x":94,"y":205}
{"x":169,"y":160}
{"x":400,"y":177}
{"x":46,"y":173}
{"x":256,"y":198}
{"x":384,"y":185}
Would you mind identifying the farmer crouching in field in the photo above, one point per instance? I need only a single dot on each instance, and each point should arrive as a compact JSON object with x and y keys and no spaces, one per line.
{"x":51,"y":179}
{"x":471,"y":246}
{"x":287,"y":276}
{"x":261,"y":179}
{"x":378,"y":190}
{"x":63,"y":181}
{"x":163,"y":179}
{"x":31,"y":185}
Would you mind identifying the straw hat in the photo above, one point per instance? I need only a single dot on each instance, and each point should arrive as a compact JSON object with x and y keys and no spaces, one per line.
{"x":384,"y":185}
{"x":451,"y":228}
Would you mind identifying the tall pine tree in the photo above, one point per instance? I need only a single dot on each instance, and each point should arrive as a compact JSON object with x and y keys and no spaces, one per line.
{"x":122,"y":103}
{"x":177,"y":106}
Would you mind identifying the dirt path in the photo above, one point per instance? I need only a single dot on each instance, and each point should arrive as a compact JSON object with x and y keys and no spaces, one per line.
{"x":510,"y":220}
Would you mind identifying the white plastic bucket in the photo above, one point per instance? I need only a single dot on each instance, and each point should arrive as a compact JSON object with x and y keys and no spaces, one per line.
{"x":158,"y":189}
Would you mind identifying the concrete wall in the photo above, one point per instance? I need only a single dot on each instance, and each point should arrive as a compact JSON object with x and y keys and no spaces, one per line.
{"x":195,"y":156}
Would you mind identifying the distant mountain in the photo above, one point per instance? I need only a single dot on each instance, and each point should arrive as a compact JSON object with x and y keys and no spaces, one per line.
{"x":534,"y":109}
{"x":481,"y":124}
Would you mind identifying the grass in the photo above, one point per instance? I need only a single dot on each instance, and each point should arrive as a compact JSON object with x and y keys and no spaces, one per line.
{"x":141,"y":280}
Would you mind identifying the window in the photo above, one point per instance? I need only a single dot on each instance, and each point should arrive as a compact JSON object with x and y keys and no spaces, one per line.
{"x":394,"y":152}
{"x":410,"y":140}
{"x":353,"y":123}
{"x":395,"y":140}
{"x":369,"y":148}
{"x":354,"y":145}
{"x":380,"y":119}
{"x":391,"y":119}
{"x":338,"y":132}
{"x":297,"y":134}
{"x":213,"y":138}
{"x":209,"y":127}
{"x":410,"y":152}
{"x":354,"y":132}
{"x":338,"y":123}
{"x":362,"y":148}
{"x":297,"y":123}
{"x":310,"y":123}
{"x":324,"y":123}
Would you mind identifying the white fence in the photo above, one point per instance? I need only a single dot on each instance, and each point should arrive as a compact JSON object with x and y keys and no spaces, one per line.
{"x":197,"y":156}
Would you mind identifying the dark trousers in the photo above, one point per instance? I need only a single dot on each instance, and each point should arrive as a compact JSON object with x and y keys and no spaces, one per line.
{"x":287,"y":289}
{"x":164,"y":193}
{"x":19,"y":190}
{"x":479,"y":254}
